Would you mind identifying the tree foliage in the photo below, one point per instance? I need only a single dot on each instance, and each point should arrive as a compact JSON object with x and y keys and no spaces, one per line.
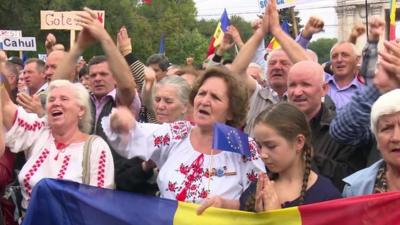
{"x":322,"y":47}
{"x":176,"y":19}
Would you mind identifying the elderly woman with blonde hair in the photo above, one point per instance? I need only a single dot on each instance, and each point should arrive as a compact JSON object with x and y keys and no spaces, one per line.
{"x":384,"y":175}
{"x":57,"y":145}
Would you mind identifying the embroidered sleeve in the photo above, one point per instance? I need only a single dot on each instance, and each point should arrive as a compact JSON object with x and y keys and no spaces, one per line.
{"x":25,"y":132}
{"x":147,"y":141}
{"x":253,"y":165}
{"x":101,"y":165}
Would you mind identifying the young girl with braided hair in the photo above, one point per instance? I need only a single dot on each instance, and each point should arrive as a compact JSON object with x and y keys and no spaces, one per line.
{"x":284,"y":137}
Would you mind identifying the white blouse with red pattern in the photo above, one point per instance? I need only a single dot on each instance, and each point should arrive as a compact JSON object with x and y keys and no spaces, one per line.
{"x":46,"y":159}
{"x":184,"y":172}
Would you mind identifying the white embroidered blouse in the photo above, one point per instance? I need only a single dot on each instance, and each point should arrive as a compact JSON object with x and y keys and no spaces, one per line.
{"x":47,"y":160}
{"x":184,"y":172}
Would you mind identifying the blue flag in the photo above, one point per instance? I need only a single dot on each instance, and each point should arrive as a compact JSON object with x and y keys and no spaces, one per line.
{"x":162,"y":44}
{"x":225,"y":21}
{"x":285,"y":26}
{"x":227,"y":138}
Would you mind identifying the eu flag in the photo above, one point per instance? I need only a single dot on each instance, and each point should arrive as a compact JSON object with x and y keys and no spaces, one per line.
{"x":227,"y":138}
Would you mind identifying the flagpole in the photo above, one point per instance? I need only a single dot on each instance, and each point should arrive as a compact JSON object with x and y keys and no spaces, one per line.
{"x":366,"y":17}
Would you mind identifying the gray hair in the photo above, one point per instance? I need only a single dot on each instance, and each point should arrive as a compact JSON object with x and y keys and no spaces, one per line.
{"x":82,"y":98}
{"x":182,"y":87}
{"x":353,"y":47}
{"x":387,"y":104}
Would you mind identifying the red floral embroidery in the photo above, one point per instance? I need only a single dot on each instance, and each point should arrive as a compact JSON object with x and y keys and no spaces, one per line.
{"x":254,"y":152}
{"x":252,"y":176}
{"x":30,"y":127}
{"x":183,"y":169}
{"x":39,"y":161}
{"x":101,"y":169}
{"x":180,"y":129}
{"x":193,"y":173}
{"x":203,"y":193}
{"x":161,"y":141}
{"x":171,"y":186}
{"x":64,"y":167}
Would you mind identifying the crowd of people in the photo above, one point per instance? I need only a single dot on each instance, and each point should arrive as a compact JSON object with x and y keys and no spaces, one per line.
{"x":316,"y":132}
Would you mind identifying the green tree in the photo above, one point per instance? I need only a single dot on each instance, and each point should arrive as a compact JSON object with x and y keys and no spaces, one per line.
{"x":323,"y":47}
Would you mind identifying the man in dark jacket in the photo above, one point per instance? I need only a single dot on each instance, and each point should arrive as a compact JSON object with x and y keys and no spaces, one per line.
{"x":306,"y":88}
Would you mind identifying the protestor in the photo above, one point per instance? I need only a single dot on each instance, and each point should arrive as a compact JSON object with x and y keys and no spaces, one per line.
{"x":384,"y":175}
{"x":58,"y":145}
{"x":183,"y":152}
{"x":168,"y":99}
{"x":278,"y":65}
{"x":17,"y":62}
{"x":52,"y":61}
{"x":306,"y":87}
{"x":111,"y":82}
{"x":160,"y":64}
{"x":35,"y":80}
{"x":284,"y":136}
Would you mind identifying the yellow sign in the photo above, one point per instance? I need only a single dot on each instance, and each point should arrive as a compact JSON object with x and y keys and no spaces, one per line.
{"x":53,"y":20}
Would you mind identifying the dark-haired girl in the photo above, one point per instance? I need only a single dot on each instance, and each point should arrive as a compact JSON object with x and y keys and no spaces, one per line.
{"x":284,"y":136}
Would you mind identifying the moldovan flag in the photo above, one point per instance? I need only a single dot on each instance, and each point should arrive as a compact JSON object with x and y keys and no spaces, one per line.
{"x":222,"y":27}
{"x":147,"y":2}
{"x":274,"y":44}
{"x":392,"y":31}
{"x":58,"y":202}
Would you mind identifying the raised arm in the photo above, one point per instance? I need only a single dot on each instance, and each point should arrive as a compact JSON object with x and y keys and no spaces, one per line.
{"x":295,"y":52}
{"x":124,"y":44}
{"x":125,"y":83}
{"x":8,"y":108}
{"x":246,"y":54}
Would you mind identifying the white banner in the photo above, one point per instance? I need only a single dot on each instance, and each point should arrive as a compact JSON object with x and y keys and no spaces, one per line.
{"x":53,"y":20}
{"x":10,"y":33}
{"x":19,"y":43}
{"x":281,"y":4}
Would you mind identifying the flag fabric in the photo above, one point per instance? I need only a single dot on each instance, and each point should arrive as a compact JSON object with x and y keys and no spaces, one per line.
{"x":222,"y":27}
{"x":227,"y":138}
{"x":57,"y":202}
{"x":274,"y":44}
{"x":162,"y":44}
{"x":148,"y":2}
{"x":392,"y":26}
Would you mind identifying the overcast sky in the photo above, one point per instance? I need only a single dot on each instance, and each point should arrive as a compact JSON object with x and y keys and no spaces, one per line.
{"x":248,"y":9}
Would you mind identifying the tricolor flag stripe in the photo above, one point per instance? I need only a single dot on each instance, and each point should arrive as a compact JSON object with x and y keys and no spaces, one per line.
{"x":56,"y":202}
{"x":392,"y":25}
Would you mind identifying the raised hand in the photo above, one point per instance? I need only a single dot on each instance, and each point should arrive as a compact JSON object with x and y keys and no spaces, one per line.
{"x":376,"y":28}
{"x":357,"y":30}
{"x":93,"y":30}
{"x":124,"y":43}
{"x":387,"y":74}
{"x":272,"y":13}
{"x":30,"y":104}
{"x":234,"y":33}
{"x":50,"y":42}
{"x":226,"y":44}
{"x":314,"y":25}
{"x":122,"y":120}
